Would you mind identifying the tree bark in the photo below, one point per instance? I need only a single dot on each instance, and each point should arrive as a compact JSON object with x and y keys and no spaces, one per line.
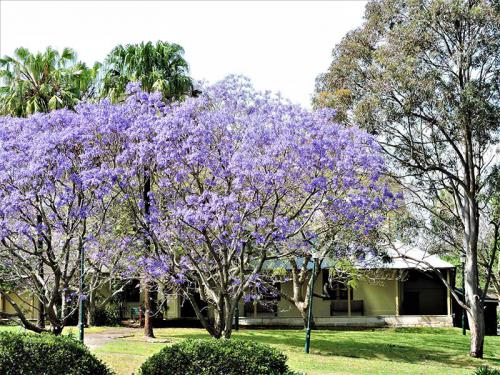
{"x":472,"y":292}
{"x":41,"y":306}
{"x":148,"y":307}
{"x":218,"y":321}
{"x":91,"y":309}
{"x":473,"y":300}
{"x":228,"y":321}
{"x":148,"y":302}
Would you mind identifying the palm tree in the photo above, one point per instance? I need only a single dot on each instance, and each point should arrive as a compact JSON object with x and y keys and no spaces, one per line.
{"x":158,"y":67}
{"x":43,"y":81}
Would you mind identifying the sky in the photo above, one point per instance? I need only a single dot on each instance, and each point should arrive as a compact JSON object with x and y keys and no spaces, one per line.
{"x":281,"y":46}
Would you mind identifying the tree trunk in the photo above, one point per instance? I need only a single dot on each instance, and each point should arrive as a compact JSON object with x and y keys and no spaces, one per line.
{"x":204,"y":321}
{"x":472,"y":290}
{"x":218,"y":322}
{"x":477,"y":329}
{"x":148,"y":296}
{"x":303,"y":308}
{"x":473,"y":299}
{"x":91,"y":309}
{"x":41,"y":308}
{"x":41,"y":314}
{"x":228,"y":321}
{"x":148,"y":315}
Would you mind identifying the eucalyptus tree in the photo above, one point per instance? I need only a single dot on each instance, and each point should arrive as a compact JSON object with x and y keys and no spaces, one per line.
{"x":43,"y":81}
{"x":156,"y":66}
{"x":423,"y":76}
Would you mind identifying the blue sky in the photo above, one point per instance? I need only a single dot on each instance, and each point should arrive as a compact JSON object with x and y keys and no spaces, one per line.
{"x":282,"y":46}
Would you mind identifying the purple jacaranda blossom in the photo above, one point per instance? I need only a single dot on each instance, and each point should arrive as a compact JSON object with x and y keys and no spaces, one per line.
{"x":235,"y":176}
{"x":241,"y":176}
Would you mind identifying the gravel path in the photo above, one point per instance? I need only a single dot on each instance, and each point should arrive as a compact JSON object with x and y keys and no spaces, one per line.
{"x":95,"y":340}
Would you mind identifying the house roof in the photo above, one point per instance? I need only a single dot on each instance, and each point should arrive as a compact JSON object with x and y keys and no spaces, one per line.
{"x":488,"y":298}
{"x":400,"y":257}
{"x":406,"y":257}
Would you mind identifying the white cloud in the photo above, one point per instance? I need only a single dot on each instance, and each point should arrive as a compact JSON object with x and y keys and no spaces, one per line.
{"x":281,"y":46}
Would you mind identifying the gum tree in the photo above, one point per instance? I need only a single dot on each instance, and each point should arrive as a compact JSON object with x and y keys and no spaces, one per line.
{"x":423,"y":76}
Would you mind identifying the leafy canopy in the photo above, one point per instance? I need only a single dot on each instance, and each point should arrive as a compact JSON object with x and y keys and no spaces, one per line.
{"x":43,"y":81}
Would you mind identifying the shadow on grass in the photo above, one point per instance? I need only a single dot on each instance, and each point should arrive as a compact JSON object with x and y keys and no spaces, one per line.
{"x":399,"y":345}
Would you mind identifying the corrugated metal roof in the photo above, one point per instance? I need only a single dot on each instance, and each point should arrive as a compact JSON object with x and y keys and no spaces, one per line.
{"x":400,"y":257}
{"x":406,"y":257}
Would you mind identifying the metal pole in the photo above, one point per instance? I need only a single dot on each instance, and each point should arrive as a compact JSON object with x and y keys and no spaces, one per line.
{"x":309,"y":310}
{"x":81,"y":301}
{"x":463,"y":290}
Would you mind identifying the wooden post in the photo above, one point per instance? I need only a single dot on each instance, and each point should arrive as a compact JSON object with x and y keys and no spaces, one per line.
{"x":448,"y":293}
{"x":397,"y":293}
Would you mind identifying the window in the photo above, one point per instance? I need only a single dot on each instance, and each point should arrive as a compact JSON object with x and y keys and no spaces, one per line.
{"x":335,"y":290}
{"x":131,"y":292}
{"x":267,"y":302}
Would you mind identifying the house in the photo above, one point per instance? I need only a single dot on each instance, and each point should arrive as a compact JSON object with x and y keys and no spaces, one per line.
{"x":490,"y":314}
{"x":406,"y":292}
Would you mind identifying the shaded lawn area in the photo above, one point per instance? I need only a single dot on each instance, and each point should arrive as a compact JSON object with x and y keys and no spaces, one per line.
{"x":380,"y":351}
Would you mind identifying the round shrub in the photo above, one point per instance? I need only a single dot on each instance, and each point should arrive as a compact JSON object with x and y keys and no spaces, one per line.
{"x":216,"y":357}
{"x":46,"y":354}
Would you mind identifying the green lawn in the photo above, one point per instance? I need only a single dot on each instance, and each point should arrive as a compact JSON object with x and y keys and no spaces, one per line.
{"x":379,"y":351}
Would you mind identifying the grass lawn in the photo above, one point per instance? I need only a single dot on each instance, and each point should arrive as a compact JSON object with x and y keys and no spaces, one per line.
{"x":380,"y":351}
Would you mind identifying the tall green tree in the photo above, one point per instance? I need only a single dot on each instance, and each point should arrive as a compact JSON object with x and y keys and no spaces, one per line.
{"x":424,"y":76}
{"x":44,"y":81}
{"x":158,"y":67}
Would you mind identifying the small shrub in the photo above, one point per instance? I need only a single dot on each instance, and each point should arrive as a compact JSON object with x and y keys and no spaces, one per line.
{"x":46,"y":354}
{"x":215,"y":357}
{"x":485,"y":370}
{"x":109,"y":315}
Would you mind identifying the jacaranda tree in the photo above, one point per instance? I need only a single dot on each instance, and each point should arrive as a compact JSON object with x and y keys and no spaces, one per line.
{"x":239,"y":178}
{"x":158,"y":67}
{"x":235,"y":178}
{"x":54,"y":199}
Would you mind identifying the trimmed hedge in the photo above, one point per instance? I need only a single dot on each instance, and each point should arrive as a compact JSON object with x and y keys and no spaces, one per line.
{"x":46,"y":354}
{"x":216,"y":357}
